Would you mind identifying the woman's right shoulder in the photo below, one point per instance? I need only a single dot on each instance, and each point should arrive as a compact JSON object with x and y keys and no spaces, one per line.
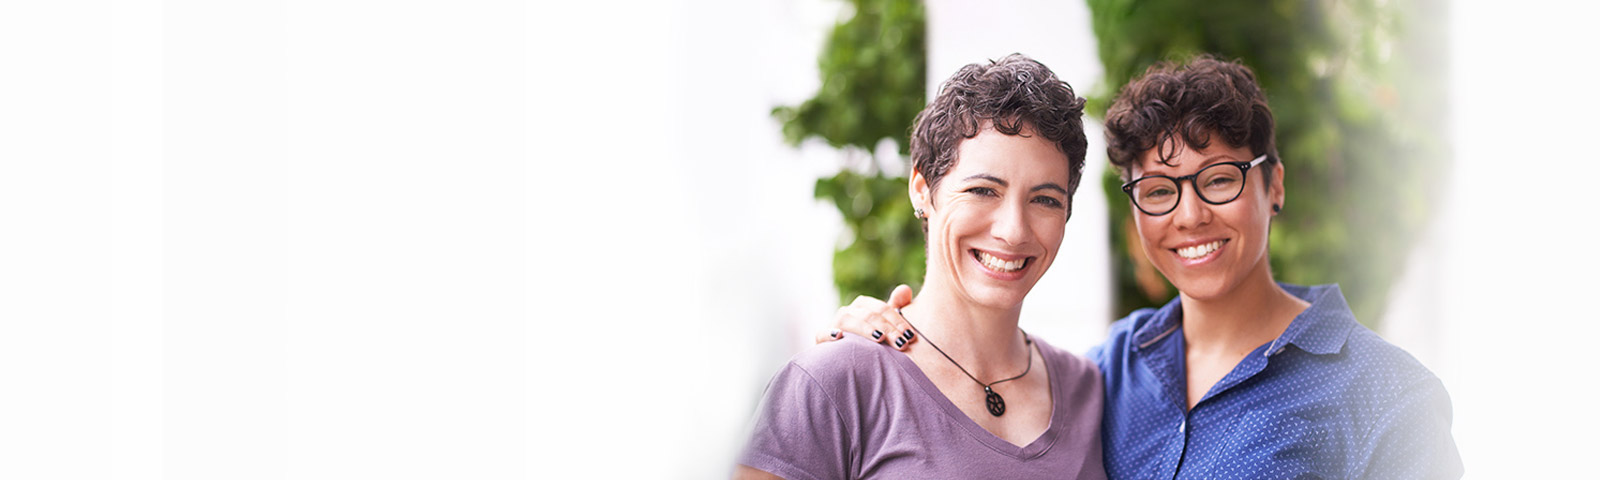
{"x":848,"y":361}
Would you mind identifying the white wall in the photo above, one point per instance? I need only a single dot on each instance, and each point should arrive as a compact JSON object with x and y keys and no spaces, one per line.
{"x":1500,"y":287}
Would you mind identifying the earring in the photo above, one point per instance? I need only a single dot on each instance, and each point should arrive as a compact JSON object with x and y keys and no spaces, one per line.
{"x":1276,"y":208}
{"x":920,"y":215}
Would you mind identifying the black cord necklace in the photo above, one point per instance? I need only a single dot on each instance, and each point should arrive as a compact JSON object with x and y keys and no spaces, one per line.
{"x":996,"y":404}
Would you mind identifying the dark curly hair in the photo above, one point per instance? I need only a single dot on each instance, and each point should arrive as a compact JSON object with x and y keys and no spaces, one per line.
{"x":1012,"y":93}
{"x":1189,"y":101}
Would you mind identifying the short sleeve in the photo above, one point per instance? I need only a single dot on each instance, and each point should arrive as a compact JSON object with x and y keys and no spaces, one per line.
{"x":1412,"y":439}
{"x":798,"y":433}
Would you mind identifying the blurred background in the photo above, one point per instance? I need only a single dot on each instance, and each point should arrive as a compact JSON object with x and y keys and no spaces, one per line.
{"x":495,"y":239}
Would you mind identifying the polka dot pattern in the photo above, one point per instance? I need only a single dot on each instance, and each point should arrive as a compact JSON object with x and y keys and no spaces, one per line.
{"x":1327,"y":399}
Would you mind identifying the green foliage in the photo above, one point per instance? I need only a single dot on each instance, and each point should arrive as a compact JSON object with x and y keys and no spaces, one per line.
{"x":1358,"y":101}
{"x":873,"y":75}
{"x":888,"y":240}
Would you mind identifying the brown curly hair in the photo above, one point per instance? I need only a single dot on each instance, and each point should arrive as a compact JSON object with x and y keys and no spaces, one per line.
{"x":1189,"y":101}
{"x":1012,"y":93}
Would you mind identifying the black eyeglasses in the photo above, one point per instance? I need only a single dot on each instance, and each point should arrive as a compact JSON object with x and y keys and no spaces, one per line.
{"x":1158,"y":195}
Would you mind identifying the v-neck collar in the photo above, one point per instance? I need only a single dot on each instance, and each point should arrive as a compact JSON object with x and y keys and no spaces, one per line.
{"x":1033,"y":449}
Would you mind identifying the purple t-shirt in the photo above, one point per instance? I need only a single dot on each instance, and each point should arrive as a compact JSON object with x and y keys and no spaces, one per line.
{"x":855,"y":409}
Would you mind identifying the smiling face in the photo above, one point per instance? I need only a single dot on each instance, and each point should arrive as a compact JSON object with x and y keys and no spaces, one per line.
{"x":996,"y":219}
{"x":1208,"y":250}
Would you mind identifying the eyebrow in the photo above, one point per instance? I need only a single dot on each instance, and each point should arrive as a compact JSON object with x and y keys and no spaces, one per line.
{"x":1049,"y":186}
{"x":1221,"y":158}
{"x":992,"y":178}
{"x":1208,"y":161}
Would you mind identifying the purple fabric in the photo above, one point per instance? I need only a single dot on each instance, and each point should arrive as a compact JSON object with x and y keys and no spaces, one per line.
{"x":855,"y":409}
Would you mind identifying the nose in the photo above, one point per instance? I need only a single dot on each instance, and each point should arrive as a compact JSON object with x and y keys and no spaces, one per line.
{"x":1010,"y":225}
{"x":1191,"y":211}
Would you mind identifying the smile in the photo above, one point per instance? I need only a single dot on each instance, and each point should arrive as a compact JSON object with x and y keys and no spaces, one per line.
{"x":1198,"y":251}
{"x":999,"y":265}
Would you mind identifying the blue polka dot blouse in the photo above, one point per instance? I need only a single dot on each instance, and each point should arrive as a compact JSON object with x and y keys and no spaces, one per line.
{"x":1327,"y":399}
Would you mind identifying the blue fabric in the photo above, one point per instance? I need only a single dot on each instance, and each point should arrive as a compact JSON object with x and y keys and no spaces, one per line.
{"x":1327,"y":399}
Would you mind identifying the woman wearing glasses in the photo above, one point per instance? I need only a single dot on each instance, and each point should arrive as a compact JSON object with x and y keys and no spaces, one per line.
{"x":1239,"y":376}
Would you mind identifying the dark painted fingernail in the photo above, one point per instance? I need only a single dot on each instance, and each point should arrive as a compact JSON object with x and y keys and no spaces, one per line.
{"x":899,"y":342}
{"x":833,"y":333}
{"x":906,"y":335}
{"x":877,"y":334}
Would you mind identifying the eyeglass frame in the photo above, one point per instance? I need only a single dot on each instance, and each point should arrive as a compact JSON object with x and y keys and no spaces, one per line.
{"x":1193,"y":178}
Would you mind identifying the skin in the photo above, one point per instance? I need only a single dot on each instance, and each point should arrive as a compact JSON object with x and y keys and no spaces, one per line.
{"x":1005,"y":197}
{"x":746,"y":472}
{"x":1231,"y":305}
{"x":1230,"y":302}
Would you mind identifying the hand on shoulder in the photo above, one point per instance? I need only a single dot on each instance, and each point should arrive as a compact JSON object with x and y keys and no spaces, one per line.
{"x":874,"y":319}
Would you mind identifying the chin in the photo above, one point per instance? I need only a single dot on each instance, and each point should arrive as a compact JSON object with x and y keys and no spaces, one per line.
{"x":997,"y":298}
{"x":1212,"y":284}
{"x":1206,"y":288}
{"x":981,"y":288}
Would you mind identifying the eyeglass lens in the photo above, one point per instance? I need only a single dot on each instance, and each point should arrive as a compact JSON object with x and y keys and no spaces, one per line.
{"x":1216,"y":184}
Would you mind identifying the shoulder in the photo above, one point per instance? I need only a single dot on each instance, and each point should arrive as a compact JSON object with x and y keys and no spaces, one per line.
{"x":1124,"y":328}
{"x":1119,"y":338}
{"x":1076,"y":377}
{"x":1397,"y":374}
{"x":845,"y":365}
{"x":1378,"y":371}
{"x":830,"y":380}
{"x":1068,"y":365}
{"x":1379,"y":384}
{"x":1407,"y":411}
{"x":846,"y":354}
{"x":810,"y":423}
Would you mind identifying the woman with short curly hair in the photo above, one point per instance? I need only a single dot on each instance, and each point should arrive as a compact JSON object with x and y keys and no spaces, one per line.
{"x":996,"y":157}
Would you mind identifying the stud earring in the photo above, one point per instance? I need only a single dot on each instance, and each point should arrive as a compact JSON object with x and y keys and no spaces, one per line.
{"x":1276,"y":208}
{"x":920,"y":215}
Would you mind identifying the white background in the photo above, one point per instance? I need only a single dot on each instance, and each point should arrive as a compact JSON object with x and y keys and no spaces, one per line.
{"x":362,"y":239}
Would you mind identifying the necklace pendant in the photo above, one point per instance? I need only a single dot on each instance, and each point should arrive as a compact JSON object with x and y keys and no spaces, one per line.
{"x":997,"y":405}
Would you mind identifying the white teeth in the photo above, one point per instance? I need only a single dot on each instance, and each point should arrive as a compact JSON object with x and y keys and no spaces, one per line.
{"x":1198,"y":251}
{"x":1001,"y":265}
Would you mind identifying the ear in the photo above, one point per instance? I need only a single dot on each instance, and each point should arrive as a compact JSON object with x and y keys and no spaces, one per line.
{"x":921,"y":195}
{"x":1275,"y":191}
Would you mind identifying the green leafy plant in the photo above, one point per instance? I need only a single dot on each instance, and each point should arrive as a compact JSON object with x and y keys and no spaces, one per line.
{"x":873,"y":76}
{"x":1356,"y":94}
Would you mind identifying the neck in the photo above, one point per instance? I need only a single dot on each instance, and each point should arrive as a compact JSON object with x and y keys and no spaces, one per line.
{"x":1252,"y":313}
{"x":985,"y":341}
